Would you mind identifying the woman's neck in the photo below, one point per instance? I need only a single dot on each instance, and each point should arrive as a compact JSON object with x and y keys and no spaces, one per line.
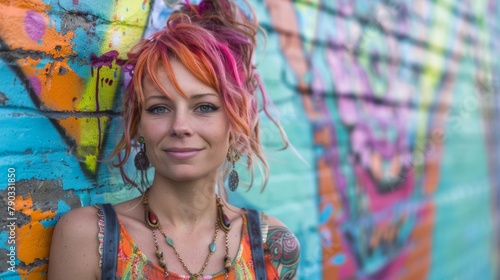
{"x":184,"y":205}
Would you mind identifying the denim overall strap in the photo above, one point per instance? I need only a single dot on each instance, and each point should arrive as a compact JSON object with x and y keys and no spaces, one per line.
{"x":111,"y":239}
{"x":254,"y":230}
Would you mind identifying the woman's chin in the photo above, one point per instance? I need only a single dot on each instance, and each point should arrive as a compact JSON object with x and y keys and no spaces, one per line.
{"x":185,"y":176}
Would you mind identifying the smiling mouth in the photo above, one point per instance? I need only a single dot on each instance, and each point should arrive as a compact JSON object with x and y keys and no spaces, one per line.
{"x":182,"y":153}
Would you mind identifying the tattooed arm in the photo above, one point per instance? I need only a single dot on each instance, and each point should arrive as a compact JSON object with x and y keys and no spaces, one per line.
{"x":284,"y":249}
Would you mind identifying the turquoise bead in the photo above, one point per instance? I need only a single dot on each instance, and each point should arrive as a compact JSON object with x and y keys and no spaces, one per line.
{"x":213,"y":247}
{"x":169,"y":241}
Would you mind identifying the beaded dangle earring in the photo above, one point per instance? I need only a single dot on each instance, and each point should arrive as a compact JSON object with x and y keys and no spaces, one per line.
{"x":233,"y":156}
{"x":141,"y":160}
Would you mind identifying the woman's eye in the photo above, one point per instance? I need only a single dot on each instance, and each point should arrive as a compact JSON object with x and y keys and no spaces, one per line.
{"x":207,"y":108}
{"x":157,"y":110}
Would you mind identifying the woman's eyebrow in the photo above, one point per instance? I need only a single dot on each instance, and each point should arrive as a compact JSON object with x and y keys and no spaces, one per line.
{"x":162,"y":97}
{"x":194,"y":96}
{"x":201,"y":95}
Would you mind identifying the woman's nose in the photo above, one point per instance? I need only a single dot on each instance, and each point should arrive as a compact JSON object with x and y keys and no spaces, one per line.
{"x":181,"y":126}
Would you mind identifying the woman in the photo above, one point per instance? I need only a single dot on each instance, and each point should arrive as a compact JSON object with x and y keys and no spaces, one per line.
{"x":192,"y":106}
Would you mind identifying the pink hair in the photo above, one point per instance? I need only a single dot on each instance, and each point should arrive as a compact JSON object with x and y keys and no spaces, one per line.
{"x":215,"y":42}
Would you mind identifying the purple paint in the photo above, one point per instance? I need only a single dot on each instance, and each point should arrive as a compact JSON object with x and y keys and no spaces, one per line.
{"x":36,"y":85}
{"x":349,"y":110}
{"x":75,"y":2}
{"x":105,"y":59}
{"x":34,"y":24}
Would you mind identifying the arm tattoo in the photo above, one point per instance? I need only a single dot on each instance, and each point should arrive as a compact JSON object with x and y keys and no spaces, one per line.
{"x":284,"y":250}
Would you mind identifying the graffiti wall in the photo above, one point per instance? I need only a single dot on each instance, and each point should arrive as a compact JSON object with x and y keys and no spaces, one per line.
{"x":391,"y":108}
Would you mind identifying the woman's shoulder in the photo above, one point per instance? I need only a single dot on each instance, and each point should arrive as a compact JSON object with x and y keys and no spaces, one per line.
{"x":78,"y":223}
{"x":283,"y":247}
{"x":74,"y":247}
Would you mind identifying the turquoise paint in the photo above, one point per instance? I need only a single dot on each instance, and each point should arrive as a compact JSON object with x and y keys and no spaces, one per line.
{"x":100,"y":9}
{"x":327,"y":212}
{"x":84,"y":44}
{"x":338,"y":259}
{"x":4,"y":235}
{"x":464,"y":201}
{"x":14,"y":90}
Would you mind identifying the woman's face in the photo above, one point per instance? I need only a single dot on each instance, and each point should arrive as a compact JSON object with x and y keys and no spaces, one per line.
{"x":186,"y":138}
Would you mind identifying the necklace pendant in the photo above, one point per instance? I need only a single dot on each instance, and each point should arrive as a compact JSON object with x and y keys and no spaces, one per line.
{"x":224,"y":221}
{"x":151,"y":219}
{"x":192,"y":277}
{"x":226,"y":224}
{"x":212,"y":247}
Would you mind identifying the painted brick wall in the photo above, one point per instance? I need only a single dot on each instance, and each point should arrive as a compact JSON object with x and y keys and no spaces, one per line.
{"x":392,"y":109}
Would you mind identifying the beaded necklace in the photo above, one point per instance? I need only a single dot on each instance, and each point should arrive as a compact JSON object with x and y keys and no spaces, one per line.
{"x":222,"y":222}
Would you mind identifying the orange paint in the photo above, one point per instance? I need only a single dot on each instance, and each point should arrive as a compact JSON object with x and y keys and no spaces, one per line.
{"x":285,"y":21}
{"x":56,"y":85}
{"x":395,"y":165}
{"x":431,"y":178}
{"x":34,"y":242}
{"x":28,"y":5}
{"x":327,"y":187}
{"x":54,"y":43}
{"x":329,"y":196}
{"x":418,"y":259}
{"x":64,"y":91}
{"x":33,"y":239}
{"x":57,"y":92}
{"x":432,"y":170}
{"x":71,"y":126}
{"x":376,"y":165}
{"x":322,"y":136}
{"x":309,"y":106}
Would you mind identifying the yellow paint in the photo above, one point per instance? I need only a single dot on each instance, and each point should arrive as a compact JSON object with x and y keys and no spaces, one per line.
{"x":120,"y":37}
{"x":88,"y":148}
{"x":126,"y":34}
{"x":69,"y":92}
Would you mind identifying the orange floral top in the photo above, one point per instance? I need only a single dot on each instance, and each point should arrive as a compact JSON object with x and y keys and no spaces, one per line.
{"x":133,"y":264}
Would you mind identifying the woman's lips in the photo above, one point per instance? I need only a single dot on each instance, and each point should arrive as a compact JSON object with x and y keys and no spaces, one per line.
{"x":182,"y":153}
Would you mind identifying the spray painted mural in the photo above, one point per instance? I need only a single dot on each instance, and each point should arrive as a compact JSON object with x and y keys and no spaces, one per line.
{"x":391,"y":108}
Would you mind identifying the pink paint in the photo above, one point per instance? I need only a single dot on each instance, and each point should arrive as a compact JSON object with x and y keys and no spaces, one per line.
{"x":75,"y":2}
{"x":349,"y":267}
{"x":380,"y":202}
{"x":34,"y":25}
{"x":36,"y":85}
{"x":349,"y":110}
